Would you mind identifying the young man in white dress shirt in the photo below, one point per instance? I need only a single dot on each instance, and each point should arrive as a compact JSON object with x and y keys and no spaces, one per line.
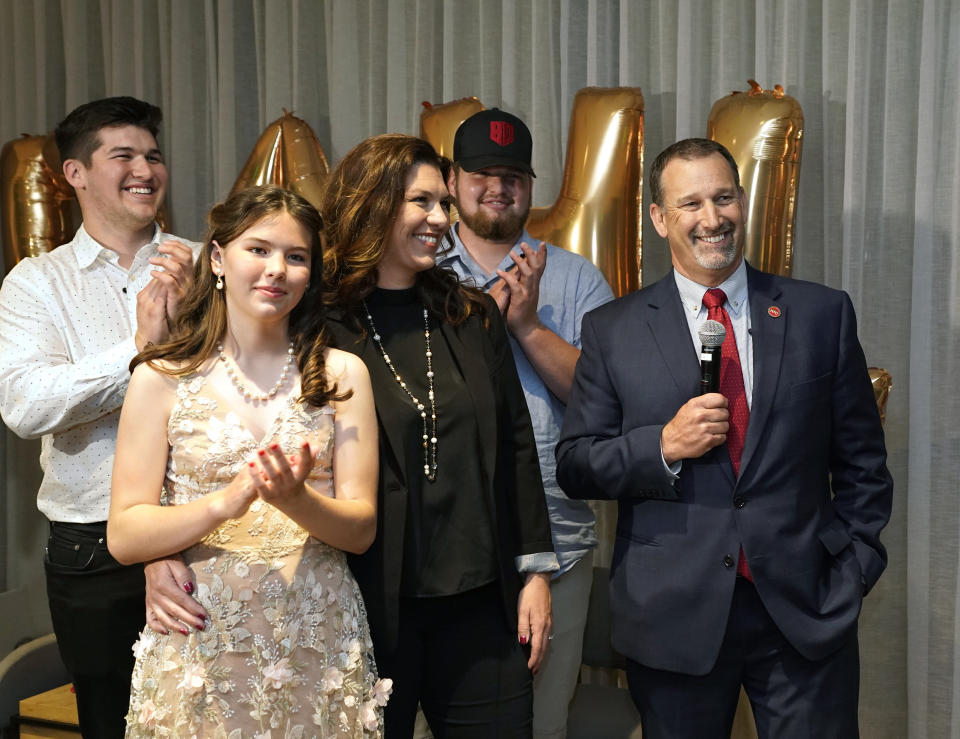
{"x":70,"y":322}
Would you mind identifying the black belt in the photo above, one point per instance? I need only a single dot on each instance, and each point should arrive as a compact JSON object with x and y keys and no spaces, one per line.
{"x":97,"y":528}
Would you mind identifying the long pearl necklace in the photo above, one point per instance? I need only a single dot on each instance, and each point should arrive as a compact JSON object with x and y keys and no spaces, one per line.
{"x":429,"y":439}
{"x":234,"y":373}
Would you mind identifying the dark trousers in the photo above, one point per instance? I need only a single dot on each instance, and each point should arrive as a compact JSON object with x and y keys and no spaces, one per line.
{"x":791,"y":696}
{"x":460,"y":660}
{"x":97,"y":608}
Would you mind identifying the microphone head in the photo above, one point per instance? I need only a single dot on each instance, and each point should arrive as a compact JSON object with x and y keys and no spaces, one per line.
{"x":712,"y":334}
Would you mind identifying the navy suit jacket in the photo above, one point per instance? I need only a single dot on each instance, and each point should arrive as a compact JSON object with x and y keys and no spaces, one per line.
{"x":813,"y":492}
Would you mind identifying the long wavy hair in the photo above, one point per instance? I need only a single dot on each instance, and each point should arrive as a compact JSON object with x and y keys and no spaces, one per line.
{"x":361,"y":200}
{"x":201,"y":320}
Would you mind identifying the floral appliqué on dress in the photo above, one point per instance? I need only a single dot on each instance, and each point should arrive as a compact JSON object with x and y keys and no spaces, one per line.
{"x":286,"y":651}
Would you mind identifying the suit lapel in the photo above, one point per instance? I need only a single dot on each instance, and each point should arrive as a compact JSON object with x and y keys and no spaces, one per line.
{"x":768,"y":320}
{"x":671,"y":334}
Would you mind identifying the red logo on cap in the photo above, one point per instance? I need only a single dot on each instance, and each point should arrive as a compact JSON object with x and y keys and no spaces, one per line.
{"x":501,"y":132}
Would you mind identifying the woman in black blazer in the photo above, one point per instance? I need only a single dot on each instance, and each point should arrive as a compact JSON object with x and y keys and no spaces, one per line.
{"x":456,"y":584}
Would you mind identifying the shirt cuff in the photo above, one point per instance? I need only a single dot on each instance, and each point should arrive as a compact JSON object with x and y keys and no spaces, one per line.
{"x":539,"y":562}
{"x":673,"y":470}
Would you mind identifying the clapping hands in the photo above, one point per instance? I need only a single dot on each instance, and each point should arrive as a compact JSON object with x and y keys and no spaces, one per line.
{"x":278,"y":479}
{"x":270,"y":476}
{"x":518,"y":292}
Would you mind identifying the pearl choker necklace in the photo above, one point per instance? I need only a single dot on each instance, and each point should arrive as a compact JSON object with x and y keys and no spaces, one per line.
{"x":234,"y":373}
{"x":429,"y":439}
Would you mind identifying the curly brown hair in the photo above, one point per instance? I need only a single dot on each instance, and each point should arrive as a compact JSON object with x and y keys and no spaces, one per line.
{"x":361,"y":199}
{"x":201,"y":320}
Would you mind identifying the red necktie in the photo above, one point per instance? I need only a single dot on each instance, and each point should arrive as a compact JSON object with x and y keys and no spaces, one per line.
{"x":731,"y":386}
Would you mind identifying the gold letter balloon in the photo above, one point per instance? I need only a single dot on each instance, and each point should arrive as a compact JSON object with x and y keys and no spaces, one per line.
{"x":763,"y":130}
{"x":882,"y":385}
{"x":38,"y":204}
{"x":439,"y":123}
{"x":286,"y":154}
{"x":597,"y":213}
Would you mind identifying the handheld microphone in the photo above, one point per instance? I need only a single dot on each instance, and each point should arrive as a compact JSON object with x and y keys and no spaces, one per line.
{"x":712,"y":334}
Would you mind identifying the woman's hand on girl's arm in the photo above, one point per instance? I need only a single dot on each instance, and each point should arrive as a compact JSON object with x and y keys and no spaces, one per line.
{"x":170,"y":603}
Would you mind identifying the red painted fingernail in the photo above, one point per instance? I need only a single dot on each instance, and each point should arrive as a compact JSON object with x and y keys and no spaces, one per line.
{"x":262,"y":453}
{"x":523,"y":639}
{"x":252,"y":464}
{"x":274,"y":447}
{"x":184,"y":632}
{"x":188,"y":587}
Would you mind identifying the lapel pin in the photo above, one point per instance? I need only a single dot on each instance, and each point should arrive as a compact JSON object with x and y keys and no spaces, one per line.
{"x":773,"y":311}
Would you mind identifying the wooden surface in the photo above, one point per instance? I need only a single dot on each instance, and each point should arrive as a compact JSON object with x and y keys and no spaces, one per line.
{"x":59,"y":705}
{"x":29,"y":731}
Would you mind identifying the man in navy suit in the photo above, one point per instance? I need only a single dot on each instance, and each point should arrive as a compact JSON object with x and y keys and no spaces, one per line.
{"x":749,"y":518}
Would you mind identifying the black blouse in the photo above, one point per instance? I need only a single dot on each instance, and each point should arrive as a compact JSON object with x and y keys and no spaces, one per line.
{"x":448,"y":539}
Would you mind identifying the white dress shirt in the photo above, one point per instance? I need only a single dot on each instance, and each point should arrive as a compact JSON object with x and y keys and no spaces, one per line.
{"x":67,"y":321}
{"x":737,"y":307}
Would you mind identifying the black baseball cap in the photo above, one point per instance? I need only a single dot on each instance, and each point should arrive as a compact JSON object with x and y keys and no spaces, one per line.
{"x":493,"y":138}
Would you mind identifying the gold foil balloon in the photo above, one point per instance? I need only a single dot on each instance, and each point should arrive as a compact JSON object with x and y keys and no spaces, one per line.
{"x":439,"y":123}
{"x":38,"y":207}
{"x":882,"y":385}
{"x":598,"y":211}
{"x":286,"y":154}
{"x":763,"y":130}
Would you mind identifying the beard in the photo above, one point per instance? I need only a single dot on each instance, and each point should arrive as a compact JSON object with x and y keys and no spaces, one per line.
{"x":715,"y":259}
{"x":507,"y":226}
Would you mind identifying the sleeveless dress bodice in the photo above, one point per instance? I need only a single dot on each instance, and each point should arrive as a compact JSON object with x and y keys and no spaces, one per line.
{"x":286,"y":651}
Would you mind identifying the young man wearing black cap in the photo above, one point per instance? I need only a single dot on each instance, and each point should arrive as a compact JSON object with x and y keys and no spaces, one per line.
{"x":543,"y":292}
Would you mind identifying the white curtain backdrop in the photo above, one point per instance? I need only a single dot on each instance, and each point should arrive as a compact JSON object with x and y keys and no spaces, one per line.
{"x":878,"y":213}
